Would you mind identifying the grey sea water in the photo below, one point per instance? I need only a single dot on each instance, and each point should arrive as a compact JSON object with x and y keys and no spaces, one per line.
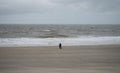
{"x":46,"y":35}
{"x":56,"y":31}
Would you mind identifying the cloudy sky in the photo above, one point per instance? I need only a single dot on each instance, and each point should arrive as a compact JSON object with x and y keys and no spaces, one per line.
{"x":60,"y":11}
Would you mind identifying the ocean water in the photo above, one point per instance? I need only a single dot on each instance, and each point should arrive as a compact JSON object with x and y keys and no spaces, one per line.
{"x":52,"y":35}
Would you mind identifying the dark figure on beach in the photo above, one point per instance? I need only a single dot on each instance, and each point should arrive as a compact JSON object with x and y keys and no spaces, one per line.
{"x":60,"y":46}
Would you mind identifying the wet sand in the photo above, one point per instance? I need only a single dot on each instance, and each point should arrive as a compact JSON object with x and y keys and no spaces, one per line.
{"x":70,"y":59}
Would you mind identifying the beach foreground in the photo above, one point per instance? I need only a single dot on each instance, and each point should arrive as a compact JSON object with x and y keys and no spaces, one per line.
{"x":51,"y":59}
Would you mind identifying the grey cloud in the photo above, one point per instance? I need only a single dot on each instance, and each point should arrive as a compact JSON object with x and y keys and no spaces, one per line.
{"x":92,"y":5}
{"x":67,"y":1}
{"x":22,"y":6}
{"x":43,"y":6}
{"x":106,"y":5}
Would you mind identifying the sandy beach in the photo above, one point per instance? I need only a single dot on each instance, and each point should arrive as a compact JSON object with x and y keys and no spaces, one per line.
{"x":70,"y":59}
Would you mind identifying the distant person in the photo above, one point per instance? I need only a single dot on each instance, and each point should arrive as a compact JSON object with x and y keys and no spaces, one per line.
{"x":60,"y":46}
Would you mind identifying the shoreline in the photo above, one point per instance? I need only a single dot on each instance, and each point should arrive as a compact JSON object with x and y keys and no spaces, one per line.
{"x":14,"y":42}
{"x":105,"y":45}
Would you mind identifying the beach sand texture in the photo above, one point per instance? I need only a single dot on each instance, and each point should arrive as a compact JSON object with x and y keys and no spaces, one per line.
{"x":70,"y":59}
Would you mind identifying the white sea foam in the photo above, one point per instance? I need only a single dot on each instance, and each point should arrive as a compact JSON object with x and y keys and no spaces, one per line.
{"x":15,"y":42}
{"x":46,"y":30}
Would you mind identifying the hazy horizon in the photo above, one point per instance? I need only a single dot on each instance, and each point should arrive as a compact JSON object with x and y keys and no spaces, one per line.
{"x":50,"y":24}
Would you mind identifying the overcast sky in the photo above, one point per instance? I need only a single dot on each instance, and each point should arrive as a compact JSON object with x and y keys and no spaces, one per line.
{"x":60,"y":11}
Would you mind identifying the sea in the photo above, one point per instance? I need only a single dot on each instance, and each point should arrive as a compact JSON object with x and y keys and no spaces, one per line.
{"x":15,"y":35}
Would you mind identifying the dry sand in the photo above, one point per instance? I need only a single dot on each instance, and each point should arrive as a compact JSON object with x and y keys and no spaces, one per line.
{"x":70,"y":59}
